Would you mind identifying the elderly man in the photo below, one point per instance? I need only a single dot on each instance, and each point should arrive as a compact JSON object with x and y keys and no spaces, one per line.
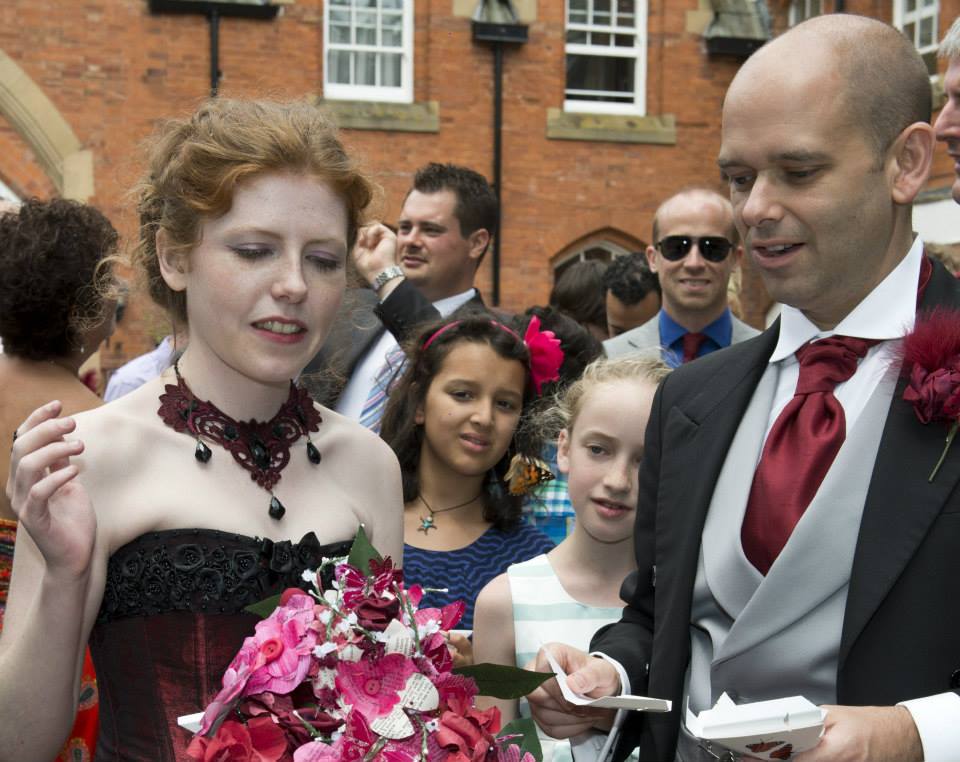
{"x":947,"y":125}
{"x":808,"y":551}
{"x":694,"y":253}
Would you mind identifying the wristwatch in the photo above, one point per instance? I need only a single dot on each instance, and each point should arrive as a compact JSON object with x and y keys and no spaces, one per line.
{"x":386,"y":275}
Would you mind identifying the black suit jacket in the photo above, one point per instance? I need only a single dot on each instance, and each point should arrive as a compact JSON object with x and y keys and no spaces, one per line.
{"x":901,"y":629}
{"x":359,"y":325}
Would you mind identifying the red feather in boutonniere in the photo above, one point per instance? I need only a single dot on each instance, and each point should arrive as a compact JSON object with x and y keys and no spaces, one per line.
{"x":931,"y":361}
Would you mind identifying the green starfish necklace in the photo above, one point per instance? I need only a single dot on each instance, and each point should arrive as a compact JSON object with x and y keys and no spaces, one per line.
{"x":428,"y":522}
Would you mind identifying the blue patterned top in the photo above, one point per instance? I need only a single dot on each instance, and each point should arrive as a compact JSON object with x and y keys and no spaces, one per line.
{"x":465,"y":571}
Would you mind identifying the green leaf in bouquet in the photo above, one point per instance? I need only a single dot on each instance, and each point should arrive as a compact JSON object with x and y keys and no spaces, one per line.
{"x":264,"y":608}
{"x":503,"y":682}
{"x":362,"y":552}
{"x":526,"y":728}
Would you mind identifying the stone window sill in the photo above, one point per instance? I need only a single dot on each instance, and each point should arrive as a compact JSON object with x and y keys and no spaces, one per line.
{"x":613,"y":128}
{"x":391,"y":117}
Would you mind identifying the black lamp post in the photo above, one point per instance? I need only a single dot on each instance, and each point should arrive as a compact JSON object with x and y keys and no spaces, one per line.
{"x":213,"y":10}
{"x":495,"y":22}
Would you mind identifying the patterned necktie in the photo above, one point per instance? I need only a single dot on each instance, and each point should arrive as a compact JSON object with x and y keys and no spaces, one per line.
{"x":380,"y":391}
{"x":691,"y":345}
{"x":800,"y":448}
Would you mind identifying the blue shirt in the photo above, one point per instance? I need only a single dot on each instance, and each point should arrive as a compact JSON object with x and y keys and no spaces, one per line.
{"x":464,"y":572}
{"x":719,"y":335}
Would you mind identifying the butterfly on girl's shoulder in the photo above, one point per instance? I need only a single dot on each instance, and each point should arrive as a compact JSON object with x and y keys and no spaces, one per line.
{"x":525,"y":473}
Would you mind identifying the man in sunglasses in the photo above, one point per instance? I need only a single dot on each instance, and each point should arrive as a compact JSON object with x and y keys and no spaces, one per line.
{"x":798,"y":521}
{"x":694,"y":253}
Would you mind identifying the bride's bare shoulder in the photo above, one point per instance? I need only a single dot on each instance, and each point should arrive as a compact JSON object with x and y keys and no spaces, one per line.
{"x":125,"y":427}
{"x":352,"y":440}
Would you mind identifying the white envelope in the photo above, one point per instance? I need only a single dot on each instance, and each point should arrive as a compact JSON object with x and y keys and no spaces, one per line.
{"x":774,"y":730}
{"x":634,"y":703}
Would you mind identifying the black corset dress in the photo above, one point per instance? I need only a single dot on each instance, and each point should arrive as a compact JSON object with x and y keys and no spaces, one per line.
{"x":172,"y":620}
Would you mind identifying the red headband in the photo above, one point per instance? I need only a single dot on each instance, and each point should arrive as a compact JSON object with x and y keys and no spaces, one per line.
{"x":546,"y":356}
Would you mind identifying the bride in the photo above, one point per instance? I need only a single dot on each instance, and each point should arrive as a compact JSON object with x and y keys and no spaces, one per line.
{"x":148,"y":524}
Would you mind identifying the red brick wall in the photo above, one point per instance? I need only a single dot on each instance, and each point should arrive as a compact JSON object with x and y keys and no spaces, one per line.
{"x":113,"y":71}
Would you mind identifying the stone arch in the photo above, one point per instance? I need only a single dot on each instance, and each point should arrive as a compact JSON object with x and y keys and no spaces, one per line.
{"x":604,"y":243}
{"x":41,"y":125}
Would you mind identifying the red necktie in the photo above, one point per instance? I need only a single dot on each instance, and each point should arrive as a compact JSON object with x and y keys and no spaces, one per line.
{"x":691,"y":345}
{"x":800,"y":448}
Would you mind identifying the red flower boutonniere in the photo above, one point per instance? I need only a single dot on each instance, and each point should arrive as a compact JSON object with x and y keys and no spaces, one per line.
{"x":931,"y":355}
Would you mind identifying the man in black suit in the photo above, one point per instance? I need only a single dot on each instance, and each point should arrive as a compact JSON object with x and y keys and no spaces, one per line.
{"x":826,"y":142}
{"x":424,"y":271}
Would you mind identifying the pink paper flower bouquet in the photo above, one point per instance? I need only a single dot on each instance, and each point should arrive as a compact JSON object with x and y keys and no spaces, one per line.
{"x":357,"y":672}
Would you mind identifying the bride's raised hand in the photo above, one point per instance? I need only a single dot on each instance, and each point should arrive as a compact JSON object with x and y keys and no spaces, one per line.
{"x":46,"y":498}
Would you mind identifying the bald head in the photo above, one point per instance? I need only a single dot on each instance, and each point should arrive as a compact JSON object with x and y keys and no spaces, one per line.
{"x":876,"y":71}
{"x":700,"y":196}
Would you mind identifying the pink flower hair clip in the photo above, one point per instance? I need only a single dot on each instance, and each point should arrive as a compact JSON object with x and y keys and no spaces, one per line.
{"x":546,"y":356}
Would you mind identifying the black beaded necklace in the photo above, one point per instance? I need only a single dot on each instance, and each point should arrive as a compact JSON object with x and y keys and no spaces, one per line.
{"x":260,"y":447}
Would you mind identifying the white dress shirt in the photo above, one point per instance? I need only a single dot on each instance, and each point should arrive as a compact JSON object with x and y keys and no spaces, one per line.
{"x":139,"y":370}
{"x":358,"y":387}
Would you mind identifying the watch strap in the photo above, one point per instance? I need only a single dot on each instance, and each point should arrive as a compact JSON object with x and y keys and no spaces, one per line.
{"x":386,"y":275}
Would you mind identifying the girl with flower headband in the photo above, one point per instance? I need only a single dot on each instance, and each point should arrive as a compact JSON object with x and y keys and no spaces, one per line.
{"x":572,"y":591}
{"x":456,"y":420}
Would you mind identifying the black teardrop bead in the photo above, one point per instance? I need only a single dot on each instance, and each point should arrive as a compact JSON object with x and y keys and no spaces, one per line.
{"x":202,"y":453}
{"x":260,"y":455}
{"x":276,"y":508}
{"x":230,"y":432}
{"x":313,"y":453}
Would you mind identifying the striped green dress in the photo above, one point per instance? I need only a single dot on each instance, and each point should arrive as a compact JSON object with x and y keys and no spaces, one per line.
{"x":544,"y":612}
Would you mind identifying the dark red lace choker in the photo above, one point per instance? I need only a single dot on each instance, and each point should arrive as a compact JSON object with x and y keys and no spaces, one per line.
{"x":261,"y":447}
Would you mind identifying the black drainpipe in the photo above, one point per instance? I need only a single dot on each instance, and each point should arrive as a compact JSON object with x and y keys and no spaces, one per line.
{"x":214,"y":19}
{"x":497,"y":160}
{"x":498,"y":33}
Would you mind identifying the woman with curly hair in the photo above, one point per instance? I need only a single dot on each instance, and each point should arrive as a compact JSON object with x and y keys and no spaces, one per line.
{"x":149,"y":524}
{"x":53,"y":316}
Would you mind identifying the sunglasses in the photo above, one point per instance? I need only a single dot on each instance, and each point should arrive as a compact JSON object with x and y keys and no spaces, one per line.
{"x":712,"y":248}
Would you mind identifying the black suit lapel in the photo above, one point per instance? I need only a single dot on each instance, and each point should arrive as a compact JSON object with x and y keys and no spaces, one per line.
{"x":697,"y":435}
{"x":901,"y":504}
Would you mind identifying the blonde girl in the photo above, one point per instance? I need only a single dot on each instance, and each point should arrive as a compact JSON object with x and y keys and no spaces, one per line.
{"x":570,"y":592}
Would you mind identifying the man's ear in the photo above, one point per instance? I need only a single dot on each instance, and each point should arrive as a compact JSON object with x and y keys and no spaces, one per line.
{"x":173,"y":263}
{"x":910,"y":158}
{"x":479,"y":242}
{"x":563,"y":451}
{"x":652,"y":258}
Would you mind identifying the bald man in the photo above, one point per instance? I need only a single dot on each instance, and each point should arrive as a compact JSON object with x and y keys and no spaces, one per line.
{"x":695,"y":251}
{"x":842,"y":588}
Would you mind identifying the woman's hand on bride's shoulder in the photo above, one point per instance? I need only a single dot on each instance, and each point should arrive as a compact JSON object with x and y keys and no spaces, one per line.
{"x":51,"y":506}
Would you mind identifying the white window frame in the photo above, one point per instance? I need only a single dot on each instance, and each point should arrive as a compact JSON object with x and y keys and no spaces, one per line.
{"x":808,"y":10}
{"x":902,"y":17}
{"x":638,"y":53}
{"x":387,"y":94}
